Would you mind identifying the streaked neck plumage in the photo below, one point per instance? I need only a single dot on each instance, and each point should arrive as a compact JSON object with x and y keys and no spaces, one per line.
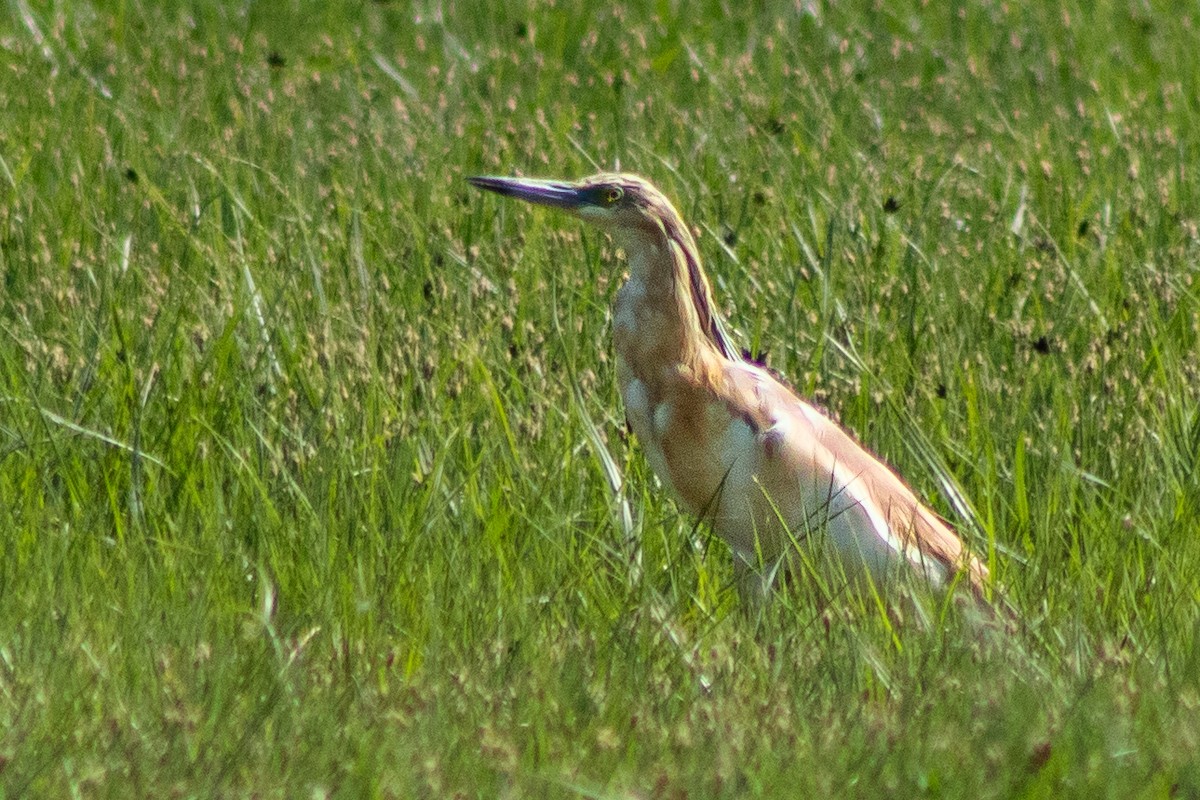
{"x":665,"y":312}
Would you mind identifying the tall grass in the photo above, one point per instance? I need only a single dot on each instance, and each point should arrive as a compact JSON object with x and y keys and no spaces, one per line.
{"x":314,"y":473}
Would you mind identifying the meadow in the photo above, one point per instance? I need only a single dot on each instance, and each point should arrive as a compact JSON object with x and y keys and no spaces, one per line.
{"x":314,"y":478}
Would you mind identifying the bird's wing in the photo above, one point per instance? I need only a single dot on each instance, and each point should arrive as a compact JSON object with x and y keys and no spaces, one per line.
{"x":910,"y":522}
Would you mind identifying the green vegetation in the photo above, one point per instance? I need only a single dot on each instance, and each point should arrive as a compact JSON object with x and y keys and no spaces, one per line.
{"x":308,"y":450}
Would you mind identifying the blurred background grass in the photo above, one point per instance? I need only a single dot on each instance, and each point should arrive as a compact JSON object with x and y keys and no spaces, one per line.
{"x":303,"y":443}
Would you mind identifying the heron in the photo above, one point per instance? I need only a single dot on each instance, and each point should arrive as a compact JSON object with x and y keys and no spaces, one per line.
{"x":773,"y":476}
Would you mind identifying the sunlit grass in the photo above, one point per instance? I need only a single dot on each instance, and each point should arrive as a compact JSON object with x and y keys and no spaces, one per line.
{"x":314,"y":474}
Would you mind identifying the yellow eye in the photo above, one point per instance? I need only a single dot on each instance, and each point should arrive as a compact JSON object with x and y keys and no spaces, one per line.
{"x":613,"y":195}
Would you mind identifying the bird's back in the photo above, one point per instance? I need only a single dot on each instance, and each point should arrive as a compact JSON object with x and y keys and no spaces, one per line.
{"x":869,"y":513}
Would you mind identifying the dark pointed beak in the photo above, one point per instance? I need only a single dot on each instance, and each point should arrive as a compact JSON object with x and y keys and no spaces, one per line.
{"x":557,"y":194}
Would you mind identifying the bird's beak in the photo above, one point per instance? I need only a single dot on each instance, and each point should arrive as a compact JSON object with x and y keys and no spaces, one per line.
{"x":556,"y":194}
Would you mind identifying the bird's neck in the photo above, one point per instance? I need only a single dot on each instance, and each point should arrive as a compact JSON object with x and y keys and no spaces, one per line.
{"x":664,"y":314}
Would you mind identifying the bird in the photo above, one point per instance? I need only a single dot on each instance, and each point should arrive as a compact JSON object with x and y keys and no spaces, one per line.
{"x":779,"y":481}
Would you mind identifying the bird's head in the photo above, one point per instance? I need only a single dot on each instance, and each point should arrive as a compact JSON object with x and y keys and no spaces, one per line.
{"x":619,"y":203}
{"x":641,"y":220}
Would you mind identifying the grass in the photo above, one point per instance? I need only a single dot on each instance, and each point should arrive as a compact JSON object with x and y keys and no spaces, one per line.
{"x":314,"y":473}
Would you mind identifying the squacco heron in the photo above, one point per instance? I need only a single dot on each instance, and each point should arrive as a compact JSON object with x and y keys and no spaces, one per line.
{"x":777,"y":479}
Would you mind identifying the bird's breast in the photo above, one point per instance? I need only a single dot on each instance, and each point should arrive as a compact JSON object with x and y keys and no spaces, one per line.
{"x":701,"y":450}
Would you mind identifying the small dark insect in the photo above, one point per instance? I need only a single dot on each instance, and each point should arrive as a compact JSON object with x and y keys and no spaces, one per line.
{"x":275,"y":60}
{"x":891,"y":205}
{"x":1042,"y":345}
{"x":131,"y":175}
{"x":1040,"y":756}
